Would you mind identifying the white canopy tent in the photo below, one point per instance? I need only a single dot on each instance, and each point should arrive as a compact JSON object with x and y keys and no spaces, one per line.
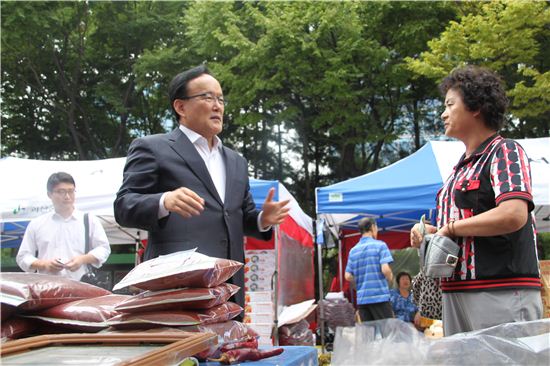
{"x":24,"y":194}
{"x":23,"y":187}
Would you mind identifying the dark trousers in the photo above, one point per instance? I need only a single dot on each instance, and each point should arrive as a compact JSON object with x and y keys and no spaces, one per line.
{"x":379,"y":310}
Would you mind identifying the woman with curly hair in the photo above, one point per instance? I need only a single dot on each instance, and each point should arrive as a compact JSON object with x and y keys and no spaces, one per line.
{"x":486,"y":206}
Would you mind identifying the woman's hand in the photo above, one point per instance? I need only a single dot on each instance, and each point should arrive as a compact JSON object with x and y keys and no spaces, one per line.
{"x":416,"y":236}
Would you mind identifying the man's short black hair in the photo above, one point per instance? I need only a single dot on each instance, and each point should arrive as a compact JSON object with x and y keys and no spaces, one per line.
{"x":481,"y":90}
{"x":59,"y":177}
{"x":401,"y":274}
{"x":178,"y":86}
{"x":366,"y":224}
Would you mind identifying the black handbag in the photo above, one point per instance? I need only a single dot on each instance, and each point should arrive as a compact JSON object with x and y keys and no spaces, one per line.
{"x":93,"y":276}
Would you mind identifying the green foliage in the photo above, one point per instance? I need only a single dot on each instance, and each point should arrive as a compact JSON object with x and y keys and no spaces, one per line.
{"x":68,"y":86}
{"x":342,"y":87}
{"x":543,"y":240}
{"x":510,"y":37}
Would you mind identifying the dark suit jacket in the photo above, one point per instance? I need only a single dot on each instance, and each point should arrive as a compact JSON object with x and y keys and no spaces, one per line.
{"x":160,"y":163}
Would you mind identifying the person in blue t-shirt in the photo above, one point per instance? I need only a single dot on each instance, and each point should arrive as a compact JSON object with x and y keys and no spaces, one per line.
{"x":369,"y":267}
{"x":401,"y":300}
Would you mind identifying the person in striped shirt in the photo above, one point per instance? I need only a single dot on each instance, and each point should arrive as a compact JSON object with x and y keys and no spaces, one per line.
{"x":369,"y":267}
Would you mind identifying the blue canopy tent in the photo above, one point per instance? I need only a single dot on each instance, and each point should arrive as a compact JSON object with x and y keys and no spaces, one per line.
{"x":399,"y":194}
{"x":396,"y":195}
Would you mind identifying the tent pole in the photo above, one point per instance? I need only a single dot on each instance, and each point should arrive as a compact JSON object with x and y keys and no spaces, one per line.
{"x":275,"y":288}
{"x":138,"y":242}
{"x":340,"y":274}
{"x":319,"y":249}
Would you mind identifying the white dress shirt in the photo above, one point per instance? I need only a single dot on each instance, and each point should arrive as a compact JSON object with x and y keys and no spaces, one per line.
{"x":215,"y":164}
{"x":52,"y":236}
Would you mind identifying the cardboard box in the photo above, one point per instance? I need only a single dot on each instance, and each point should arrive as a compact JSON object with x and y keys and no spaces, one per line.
{"x":260,"y":257}
{"x":263,"y":329}
{"x":265,"y":318}
{"x":261,"y":268}
{"x":259,"y":307}
{"x":258,"y":296}
{"x":545,"y":290}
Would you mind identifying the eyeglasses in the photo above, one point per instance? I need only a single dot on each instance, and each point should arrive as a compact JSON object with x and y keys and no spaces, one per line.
{"x":64,"y":192}
{"x":208,"y":98}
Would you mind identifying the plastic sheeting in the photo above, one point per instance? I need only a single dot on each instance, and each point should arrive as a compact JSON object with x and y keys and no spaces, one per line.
{"x":296,"y":271}
{"x":394,"y":342}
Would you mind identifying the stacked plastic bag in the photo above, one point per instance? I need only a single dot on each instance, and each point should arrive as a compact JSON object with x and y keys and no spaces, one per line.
{"x":39,"y":303}
{"x":186,"y":290}
{"x":181,"y":289}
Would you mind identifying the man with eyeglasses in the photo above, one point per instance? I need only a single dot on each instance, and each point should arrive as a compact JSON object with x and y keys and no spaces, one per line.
{"x":188,"y":189}
{"x":54,"y":243}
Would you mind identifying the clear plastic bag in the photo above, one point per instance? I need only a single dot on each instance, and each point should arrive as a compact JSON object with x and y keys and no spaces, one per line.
{"x":394,"y":342}
{"x":337,"y":313}
{"x":296,"y":334}
{"x":228,"y":333}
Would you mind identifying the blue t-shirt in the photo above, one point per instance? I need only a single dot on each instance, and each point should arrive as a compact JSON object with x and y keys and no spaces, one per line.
{"x":364,"y":263}
{"x":403,"y":307}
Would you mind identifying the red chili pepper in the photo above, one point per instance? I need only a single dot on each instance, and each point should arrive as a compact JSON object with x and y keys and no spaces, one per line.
{"x":246,"y":354}
{"x":247,"y":343}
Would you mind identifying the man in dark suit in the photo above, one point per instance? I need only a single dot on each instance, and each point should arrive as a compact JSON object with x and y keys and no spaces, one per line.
{"x":187,"y":189}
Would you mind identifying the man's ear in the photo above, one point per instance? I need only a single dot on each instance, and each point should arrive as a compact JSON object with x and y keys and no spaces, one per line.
{"x":476,"y":113}
{"x":179,"y":107}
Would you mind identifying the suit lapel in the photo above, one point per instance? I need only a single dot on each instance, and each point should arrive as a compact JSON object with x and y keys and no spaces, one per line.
{"x":230,"y":171}
{"x":181,"y":144}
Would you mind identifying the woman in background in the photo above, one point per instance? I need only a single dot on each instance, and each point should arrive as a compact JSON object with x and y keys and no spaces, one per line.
{"x":401,"y":300}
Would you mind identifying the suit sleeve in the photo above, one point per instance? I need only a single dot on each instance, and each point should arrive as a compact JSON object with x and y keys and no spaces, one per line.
{"x":137,"y":201}
{"x":250,"y":216}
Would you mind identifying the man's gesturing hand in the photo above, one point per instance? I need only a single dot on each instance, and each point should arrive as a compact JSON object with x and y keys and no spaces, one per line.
{"x":185,"y":202}
{"x":273,"y":213}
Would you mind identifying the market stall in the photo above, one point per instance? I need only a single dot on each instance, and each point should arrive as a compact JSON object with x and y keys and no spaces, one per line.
{"x":183,"y":301}
{"x":399,"y":194}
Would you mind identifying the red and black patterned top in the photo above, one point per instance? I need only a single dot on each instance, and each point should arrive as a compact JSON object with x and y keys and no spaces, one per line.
{"x":497,"y":171}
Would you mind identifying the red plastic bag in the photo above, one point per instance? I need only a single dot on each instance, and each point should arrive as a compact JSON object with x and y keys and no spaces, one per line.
{"x":180,"y":299}
{"x":17,"y":327}
{"x":6,"y":311}
{"x":88,"y":315}
{"x":175,"y":318}
{"x":181,"y":269}
{"x":34,"y":291}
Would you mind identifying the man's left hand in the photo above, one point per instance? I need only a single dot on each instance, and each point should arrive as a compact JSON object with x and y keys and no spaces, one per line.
{"x":273,"y":213}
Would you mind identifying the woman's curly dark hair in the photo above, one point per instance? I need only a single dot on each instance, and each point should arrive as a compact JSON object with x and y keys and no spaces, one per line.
{"x":482,"y":90}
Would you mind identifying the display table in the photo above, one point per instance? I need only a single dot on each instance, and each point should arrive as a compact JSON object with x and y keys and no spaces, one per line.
{"x":292,"y":356}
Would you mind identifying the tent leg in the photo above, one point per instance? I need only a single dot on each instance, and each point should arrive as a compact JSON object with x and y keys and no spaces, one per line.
{"x":340,"y":269}
{"x":321,"y":296}
{"x":275,"y":288}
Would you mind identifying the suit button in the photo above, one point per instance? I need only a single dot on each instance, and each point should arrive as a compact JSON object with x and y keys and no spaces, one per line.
{"x":226,"y":213}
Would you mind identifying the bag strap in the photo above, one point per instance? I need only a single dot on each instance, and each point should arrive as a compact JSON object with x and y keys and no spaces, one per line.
{"x":86,"y":233}
{"x":87,"y":239}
